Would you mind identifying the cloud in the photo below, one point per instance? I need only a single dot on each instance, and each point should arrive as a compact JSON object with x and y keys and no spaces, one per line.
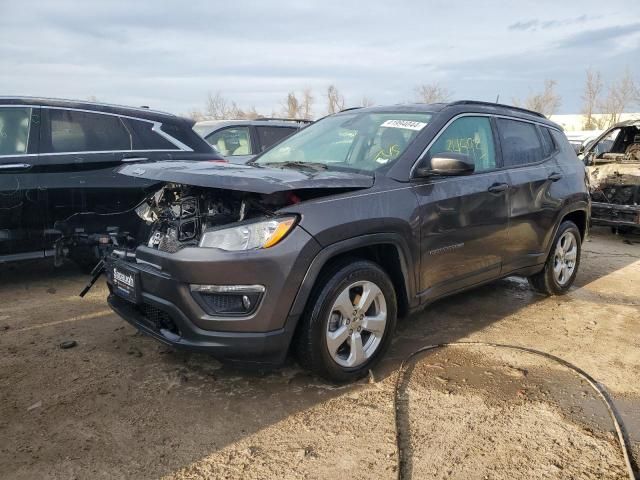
{"x":536,"y":24}
{"x":601,"y":37}
{"x":168,"y":56}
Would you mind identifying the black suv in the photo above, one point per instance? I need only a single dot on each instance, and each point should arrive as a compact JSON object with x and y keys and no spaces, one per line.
{"x":364,"y":216}
{"x":59,"y":193}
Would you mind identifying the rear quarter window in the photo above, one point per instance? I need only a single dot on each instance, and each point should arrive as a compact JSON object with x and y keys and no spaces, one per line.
{"x":271,"y":135}
{"x":183,"y":132}
{"x":144,"y":138}
{"x":548,"y":147}
{"x":521,"y":144}
{"x":562,"y":143}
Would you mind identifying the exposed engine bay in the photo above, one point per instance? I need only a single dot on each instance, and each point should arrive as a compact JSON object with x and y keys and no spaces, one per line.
{"x":613,"y":168}
{"x":179,"y":214}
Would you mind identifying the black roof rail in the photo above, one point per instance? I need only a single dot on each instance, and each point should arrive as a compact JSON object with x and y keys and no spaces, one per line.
{"x":493,"y":104}
{"x":276,"y":119}
{"x":350,"y":108}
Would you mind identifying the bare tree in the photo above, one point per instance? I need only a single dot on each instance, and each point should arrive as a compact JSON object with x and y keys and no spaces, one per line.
{"x":620,"y":95}
{"x":220,"y":108}
{"x":591,"y":98}
{"x":250,"y":114}
{"x":545,"y":102}
{"x":335,"y":100}
{"x":367,"y":101}
{"x":292,"y":107}
{"x":217,"y":107}
{"x":307,"y":104}
{"x":195,"y":115}
{"x":432,"y":93}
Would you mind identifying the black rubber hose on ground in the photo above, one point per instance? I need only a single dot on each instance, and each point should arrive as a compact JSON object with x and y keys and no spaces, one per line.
{"x":600,"y":390}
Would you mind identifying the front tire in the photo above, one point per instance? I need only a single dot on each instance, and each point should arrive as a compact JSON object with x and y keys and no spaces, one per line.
{"x":561,"y":267}
{"x":349,"y":321}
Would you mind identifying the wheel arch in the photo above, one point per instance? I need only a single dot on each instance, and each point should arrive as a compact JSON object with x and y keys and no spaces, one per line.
{"x":578,"y":214}
{"x":388,"y":250}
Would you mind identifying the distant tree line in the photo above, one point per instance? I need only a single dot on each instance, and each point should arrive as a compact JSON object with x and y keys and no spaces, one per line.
{"x":611,"y":100}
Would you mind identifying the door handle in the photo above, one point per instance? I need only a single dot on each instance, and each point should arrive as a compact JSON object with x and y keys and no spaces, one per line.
{"x":555,"y":176}
{"x":15,"y":166}
{"x":498,"y":187}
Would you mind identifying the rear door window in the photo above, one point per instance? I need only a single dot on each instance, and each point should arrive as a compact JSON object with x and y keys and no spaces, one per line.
{"x":231,"y":141}
{"x":521,"y":144}
{"x":268,"y":136}
{"x":14,"y":130}
{"x":74,"y":131}
{"x":472,"y":136}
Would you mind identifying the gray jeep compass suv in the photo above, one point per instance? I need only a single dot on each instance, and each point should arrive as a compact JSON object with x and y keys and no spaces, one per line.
{"x":324,"y":240}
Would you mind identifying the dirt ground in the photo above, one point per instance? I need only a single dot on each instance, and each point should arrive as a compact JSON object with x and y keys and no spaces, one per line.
{"x":120,"y":405}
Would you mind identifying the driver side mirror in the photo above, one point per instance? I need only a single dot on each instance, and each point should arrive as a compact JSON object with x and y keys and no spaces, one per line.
{"x":447,"y":164}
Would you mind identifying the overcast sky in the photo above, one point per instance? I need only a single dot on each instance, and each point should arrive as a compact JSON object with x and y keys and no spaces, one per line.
{"x":170,"y":54}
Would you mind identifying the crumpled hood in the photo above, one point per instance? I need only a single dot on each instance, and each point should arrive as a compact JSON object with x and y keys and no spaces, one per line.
{"x":245,"y":178}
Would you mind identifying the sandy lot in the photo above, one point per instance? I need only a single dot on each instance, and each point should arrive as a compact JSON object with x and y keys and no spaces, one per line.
{"x":119,"y":405}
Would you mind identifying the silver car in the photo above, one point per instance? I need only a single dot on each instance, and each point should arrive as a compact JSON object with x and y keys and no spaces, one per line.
{"x":239,"y":140}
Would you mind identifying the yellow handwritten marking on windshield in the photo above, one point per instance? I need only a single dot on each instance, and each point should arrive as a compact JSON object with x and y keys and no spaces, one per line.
{"x":394,"y":151}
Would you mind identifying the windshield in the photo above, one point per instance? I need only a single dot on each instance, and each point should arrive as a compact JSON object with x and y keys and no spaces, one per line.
{"x":359,"y":140}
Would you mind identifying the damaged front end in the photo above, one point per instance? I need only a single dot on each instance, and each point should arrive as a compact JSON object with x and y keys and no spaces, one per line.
{"x":613,"y":169}
{"x":186,"y":216}
{"x":229,"y":207}
{"x":615,"y":191}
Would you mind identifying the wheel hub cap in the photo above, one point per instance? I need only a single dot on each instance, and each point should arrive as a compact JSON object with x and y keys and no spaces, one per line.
{"x":564,"y":258}
{"x":356,"y":324}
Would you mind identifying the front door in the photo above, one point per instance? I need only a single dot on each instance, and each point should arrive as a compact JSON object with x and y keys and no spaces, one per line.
{"x":464,"y":219}
{"x":21,"y":225}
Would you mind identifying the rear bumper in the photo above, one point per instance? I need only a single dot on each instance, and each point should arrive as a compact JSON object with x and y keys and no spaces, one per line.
{"x":615,"y":215}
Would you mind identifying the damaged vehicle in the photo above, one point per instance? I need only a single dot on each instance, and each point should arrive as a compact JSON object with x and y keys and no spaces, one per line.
{"x":324,"y":240}
{"x":613,"y":165}
{"x":59,"y":194}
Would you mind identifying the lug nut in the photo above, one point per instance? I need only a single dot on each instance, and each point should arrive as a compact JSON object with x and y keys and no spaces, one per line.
{"x":351,"y":330}
{"x":359,"y":328}
{"x":348,"y":321}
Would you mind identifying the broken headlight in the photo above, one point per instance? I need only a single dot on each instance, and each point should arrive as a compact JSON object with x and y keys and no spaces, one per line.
{"x":248,"y":236}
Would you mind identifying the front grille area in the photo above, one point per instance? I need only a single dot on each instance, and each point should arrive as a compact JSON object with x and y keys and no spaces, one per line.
{"x":157,"y":319}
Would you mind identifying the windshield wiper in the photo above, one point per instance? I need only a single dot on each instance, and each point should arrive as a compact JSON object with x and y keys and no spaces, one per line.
{"x":308,"y":165}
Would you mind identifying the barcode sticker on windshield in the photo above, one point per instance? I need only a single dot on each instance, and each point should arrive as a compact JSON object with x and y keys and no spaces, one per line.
{"x":406,"y":124}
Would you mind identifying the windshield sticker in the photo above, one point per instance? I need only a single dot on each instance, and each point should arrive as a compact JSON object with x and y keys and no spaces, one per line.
{"x":406,"y":124}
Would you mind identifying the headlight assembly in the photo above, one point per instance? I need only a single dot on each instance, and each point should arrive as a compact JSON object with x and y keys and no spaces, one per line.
{"x":249,"y":236}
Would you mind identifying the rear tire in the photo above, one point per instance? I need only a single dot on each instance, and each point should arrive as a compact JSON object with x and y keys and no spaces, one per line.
{"x":348,"y":323}
{"x":562,"y":264}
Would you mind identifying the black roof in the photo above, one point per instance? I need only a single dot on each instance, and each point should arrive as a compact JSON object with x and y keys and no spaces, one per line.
{"x":462,"y":106}
{"x":140,"y":112}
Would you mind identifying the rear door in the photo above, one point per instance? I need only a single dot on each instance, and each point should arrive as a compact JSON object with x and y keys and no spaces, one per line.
{"x":79,"y":154}
{"x":464,"y":219}
{"x":21,"y":223}
{"x":530,"y":157}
